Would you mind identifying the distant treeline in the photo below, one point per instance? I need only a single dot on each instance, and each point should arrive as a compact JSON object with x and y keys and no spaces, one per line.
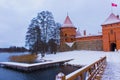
{"x":13,"y":49}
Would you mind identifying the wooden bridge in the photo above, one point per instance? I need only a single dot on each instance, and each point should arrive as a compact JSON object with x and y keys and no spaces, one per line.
{"x":93,"y":71}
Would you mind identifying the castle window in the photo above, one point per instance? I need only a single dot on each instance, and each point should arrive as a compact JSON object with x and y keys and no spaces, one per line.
{"x":71,"y":39}
{"x":65,"y":34}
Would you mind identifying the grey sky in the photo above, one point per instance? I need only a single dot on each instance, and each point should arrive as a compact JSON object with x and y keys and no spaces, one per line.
{"x":15,"y":16}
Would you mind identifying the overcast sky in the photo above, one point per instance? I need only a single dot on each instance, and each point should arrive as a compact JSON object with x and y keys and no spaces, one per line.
{"x":15,"y":16}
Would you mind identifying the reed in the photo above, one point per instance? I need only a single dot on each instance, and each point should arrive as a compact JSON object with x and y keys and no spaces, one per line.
{"x":27,"y":58}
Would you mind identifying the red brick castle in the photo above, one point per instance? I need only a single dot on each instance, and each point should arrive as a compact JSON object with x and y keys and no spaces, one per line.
{"x":109,"y":40}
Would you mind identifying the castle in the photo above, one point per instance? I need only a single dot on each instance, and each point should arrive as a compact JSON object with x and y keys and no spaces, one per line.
{"x":109,"y":40}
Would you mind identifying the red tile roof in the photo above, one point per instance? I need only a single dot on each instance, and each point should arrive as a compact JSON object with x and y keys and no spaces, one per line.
{"x":68,"y":22}
{"x":111,"y":19}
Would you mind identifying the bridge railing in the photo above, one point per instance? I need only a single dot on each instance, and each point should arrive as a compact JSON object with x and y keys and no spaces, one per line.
{"x":93,"y":71}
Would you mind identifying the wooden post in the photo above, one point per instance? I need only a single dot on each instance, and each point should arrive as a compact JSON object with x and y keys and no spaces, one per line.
{"x":63,"y":77}
{"x":60,"y":76}
{"x":94,"y":70}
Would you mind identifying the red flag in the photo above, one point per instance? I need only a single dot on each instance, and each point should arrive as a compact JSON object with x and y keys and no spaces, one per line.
{"x":114,"y":5}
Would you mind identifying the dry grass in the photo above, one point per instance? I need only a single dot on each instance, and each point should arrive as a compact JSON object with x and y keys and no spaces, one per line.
{"x":29,"y":58}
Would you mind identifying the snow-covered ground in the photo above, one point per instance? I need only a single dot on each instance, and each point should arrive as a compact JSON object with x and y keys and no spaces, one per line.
{"x":80,"y":57}
{"x":112,"y":71}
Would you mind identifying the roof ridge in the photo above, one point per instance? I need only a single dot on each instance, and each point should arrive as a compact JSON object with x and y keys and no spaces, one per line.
{"x":111,"y":19}
{"x":68,"y":22}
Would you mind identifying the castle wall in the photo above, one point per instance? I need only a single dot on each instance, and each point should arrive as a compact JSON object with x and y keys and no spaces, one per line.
{"x":85,"y":43}
{"x":108,"y":41}
{"x":111,"y":34}
{"x":64,"y":47}
{"x":67,"y":34}
{"x":84,"y":38}
{"x":95,"y":45}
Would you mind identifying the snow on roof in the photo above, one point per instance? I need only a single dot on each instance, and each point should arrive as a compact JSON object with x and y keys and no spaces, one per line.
{"x":68,"y":22}
{"x":78,"y":34}
{"x":70,"y":44}
{"x":111,"y":19}
{"x":92,"y":35}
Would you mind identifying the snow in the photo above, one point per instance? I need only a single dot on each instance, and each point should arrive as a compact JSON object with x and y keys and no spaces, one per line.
{"x":78,"y":33}
{"x":112,"y":71}
{"x":59,"y":76}
{"x":92,"y":35}
{"x":15,"y":64}
{"x":68,"y":25}
{"x":70,"y":44}
{"x":68,"y":22}
{"x":80,"y":57}
{"x":34,"y":64}
{"x":111,"y":19}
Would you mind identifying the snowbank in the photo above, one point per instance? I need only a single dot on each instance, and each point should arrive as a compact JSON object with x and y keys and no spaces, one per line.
{"x":80,"y":57}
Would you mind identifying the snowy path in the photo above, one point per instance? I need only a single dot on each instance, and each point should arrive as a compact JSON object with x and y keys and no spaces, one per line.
{"x":112,"y":71}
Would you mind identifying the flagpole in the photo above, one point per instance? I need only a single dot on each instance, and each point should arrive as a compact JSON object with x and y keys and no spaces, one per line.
{"x":111,"y":6}
{"x":111,"y":9}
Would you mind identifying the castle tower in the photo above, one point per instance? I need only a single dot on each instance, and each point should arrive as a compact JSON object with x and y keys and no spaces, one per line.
{"x":111,"y":33}
{"x":67,"y":31}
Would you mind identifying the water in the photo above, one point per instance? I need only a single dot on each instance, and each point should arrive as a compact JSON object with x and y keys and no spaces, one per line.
{"x":42,"y":74}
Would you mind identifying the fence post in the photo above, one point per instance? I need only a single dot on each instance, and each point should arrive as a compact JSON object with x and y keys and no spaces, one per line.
{"x":60,"y":76}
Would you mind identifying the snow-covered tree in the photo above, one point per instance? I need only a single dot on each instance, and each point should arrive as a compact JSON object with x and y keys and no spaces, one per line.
{"x":52,"y":46}
{"x":56,"y":34}
{"x":48,"y":30}
{"x":33,"y":36}
{"x":47,"y":25}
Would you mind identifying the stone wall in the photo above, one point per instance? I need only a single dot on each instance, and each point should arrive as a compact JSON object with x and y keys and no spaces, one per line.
{"x":64,"y":47}
{"x":95,"y":45}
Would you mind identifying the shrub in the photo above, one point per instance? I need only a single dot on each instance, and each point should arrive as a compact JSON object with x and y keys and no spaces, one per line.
{"x":29,"y":58}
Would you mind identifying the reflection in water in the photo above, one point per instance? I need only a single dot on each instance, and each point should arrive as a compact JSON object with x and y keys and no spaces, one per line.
{"x":42,"y":74}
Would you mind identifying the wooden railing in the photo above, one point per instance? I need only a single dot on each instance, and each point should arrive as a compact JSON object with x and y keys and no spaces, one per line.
{"x":93,"y":71}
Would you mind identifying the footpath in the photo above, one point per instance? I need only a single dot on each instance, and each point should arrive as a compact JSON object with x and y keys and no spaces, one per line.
{"x":112,"y":71}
